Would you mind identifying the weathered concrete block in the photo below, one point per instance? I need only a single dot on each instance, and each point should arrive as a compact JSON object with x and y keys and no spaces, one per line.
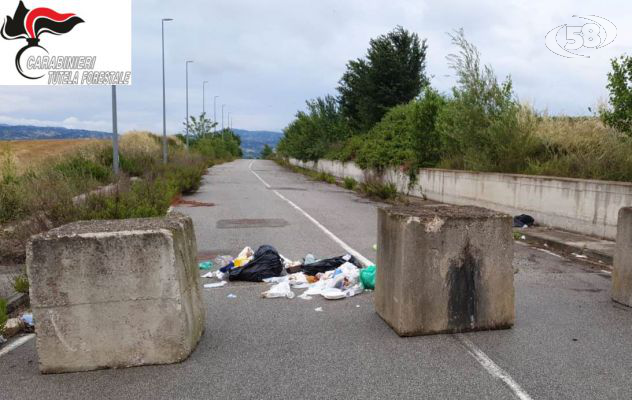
{"x":622,"y":269}
{"x":444,"y":269}
{"x":114,"y":294}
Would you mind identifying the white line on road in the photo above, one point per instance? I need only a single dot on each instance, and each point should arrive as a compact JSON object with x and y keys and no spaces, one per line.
{"x":15,"y":344}
{"x":365,"y":261}
{"x":490,"y":366}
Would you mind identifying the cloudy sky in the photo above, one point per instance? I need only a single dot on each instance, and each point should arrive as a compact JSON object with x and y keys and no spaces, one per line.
{"x":265,"y":58}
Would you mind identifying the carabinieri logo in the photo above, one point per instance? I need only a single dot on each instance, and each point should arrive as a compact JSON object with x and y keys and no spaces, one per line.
{"x":30,"y":24}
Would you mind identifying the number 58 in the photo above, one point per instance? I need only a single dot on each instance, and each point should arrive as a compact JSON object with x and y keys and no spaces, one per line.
{"x":582,"y":36}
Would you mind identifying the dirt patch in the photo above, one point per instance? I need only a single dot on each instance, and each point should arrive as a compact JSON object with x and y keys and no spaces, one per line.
{"x":180,"y":202}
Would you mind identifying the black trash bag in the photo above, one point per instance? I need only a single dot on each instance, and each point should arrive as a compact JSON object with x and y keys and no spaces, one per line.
{"x":328,"y":264}
{"x":522,"y":220}
{"x":265,"y":264}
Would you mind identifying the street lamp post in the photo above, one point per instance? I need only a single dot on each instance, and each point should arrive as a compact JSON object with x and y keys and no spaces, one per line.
{"x":204,"y":97}
{"x":229,"y":120}
{"x":164,"y":101}
{"x":187,"y":121}
{"x":115,"y":147}
{"x":223,"y":105}
{"x":215,"y":111}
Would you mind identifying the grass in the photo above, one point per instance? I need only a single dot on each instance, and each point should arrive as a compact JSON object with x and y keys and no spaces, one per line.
{"x":46,"y":190}
{"x":349,"y":183}
{"x":31,"y":153}
{"x":378,"y":189}
{"x":21,"y":284}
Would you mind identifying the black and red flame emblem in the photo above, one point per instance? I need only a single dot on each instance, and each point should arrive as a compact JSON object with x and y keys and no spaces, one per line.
{"x":30,"y":24}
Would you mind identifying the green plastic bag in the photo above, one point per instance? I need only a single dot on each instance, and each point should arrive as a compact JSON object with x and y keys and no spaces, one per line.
{"x":206,"y":265}
{"x":367,"y":277}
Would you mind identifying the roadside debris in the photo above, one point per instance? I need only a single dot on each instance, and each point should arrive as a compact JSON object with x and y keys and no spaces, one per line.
{"x":206,"y":265}
{"x":215,"y":285}
{"x":523,"y":221}
{"x":319,"y":309}
{"x":334,"y":278}
{"x":12,"y":327}
{"x":231,"y":296}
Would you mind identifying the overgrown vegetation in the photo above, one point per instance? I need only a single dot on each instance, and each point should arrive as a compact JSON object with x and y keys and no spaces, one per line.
{"x":349,"y":183}
{"x":145,"y":188}
{"x":480,"y":125}
{"x":21,"y":284}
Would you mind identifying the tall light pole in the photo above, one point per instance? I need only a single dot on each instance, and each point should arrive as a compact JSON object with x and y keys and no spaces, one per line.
{"x":164,"y":101}
{"x":204,"y":97}
{"x":229,"y":120}
{"x":223,"y":105}
{"x":187,"y":121}
{"x":215,"y":111}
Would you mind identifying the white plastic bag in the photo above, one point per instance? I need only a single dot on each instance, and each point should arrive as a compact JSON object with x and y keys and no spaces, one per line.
{"x":279,"y":290}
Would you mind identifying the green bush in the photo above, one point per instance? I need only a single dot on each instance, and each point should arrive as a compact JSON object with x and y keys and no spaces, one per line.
{"x":325,"y":177}
{"x":349,"y":183}
{"x":377,"y":188}
{"x":80,"y":167}
{"x":21,"y":284}
{"x":405,"y":136}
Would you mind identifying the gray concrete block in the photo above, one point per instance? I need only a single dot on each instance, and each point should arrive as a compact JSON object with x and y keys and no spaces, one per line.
{"x":444,"y":269}
{"x":622,"y":268}
{"x":114,"y":294}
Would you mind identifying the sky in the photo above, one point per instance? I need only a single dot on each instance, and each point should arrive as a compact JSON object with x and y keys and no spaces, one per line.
{"x":266,"y":58}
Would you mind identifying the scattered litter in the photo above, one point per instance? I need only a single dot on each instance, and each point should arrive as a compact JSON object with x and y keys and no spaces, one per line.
{"x":279,"y":290}
{"x":309,"y":259}
{"x":206,"y":265}
{"x":244,"y":257}
{"x":333,"y":294}
{"x":357,"y":305}
{"x":328,"y":264}
{"x":265,"y":264}
{"x":305,"y":296}
{"x":375,"y":247}
{"x":319,"y":309}
{"x":231,"y":296}
{"x":215,"y":285}
{"x":579,"y":255}
{"x":523,"y":237}
{"x":523,"y":221}
{"x":222,"y":261}
{"x":367,"y":277}
{"x":221,"y":275}
{"x":28,"y":320}
{"x":208,"y":275}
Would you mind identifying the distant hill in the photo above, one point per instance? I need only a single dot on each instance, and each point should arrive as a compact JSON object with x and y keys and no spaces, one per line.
{"x":252,"y":142}
{"x":23,"y":132}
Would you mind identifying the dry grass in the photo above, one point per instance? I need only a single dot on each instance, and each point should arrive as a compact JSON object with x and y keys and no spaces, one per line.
{"x":31,"y":153}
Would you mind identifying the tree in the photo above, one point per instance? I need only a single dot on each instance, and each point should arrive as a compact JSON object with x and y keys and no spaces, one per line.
{"x":619,"y":115}
{"x":200,"y":127}
{"x":393,"y":73}
{"x":267,"y":152}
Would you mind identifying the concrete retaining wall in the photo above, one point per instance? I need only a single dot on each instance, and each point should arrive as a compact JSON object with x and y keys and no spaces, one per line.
{"x":584,"y":206}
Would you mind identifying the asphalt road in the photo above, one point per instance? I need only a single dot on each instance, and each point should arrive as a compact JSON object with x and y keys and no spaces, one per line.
{"x":569,"y":342}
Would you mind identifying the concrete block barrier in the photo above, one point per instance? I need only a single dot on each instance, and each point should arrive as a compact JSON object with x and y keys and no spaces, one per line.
{"x":444,"y":269}
{"x":115,"y":294}
{"x":622,"y":268}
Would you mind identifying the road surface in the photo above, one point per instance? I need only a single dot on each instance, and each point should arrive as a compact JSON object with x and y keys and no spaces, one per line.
{"x":569,"y":342}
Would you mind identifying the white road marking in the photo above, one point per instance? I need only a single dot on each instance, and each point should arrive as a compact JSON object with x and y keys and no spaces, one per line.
{"x":15,"y":344}
{"x":550,"y":253}
{"x":365,"y":261}
{"x":487,"y":363}
{"x":492,"y":368}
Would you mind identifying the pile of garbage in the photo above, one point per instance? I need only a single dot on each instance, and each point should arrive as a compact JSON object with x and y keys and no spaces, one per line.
{"x":332,"y":278}
{"x":14,"y":326}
